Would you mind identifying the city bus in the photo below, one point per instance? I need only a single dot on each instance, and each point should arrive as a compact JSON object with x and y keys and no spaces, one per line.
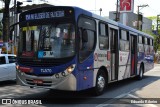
{"x":69,"y":48}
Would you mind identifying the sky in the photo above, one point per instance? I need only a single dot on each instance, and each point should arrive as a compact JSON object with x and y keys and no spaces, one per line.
{"x":107,"y":5}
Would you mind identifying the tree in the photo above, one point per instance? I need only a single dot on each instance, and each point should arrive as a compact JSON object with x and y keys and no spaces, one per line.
{"x":156,"y":37}
{"x":5,"y":20}
{"x":0,"y":30}
{"x":152,"y":17}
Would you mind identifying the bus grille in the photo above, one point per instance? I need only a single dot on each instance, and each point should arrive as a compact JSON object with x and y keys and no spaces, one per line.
{"x":39,"y":63}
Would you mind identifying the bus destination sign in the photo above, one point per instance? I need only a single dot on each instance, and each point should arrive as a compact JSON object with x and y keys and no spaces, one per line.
{"x":44,"y":15}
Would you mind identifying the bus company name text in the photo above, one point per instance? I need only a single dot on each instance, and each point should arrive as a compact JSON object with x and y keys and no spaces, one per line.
{"x":44,"y":15}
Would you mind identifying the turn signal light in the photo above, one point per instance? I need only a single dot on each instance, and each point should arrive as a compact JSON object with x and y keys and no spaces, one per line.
{"x":17,"y":67}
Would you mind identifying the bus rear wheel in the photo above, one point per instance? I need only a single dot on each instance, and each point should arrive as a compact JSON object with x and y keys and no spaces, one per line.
{"x":101,"y":83}
{"x":141,"y":72}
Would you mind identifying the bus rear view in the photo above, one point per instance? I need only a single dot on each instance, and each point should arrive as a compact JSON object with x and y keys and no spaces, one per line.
{"x":46,"y":53}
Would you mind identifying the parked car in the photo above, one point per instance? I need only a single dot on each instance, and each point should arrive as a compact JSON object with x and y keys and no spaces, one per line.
{"x":7,"y":67}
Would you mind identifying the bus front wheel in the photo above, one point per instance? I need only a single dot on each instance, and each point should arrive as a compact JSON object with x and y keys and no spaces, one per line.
{"x":101,"y":82}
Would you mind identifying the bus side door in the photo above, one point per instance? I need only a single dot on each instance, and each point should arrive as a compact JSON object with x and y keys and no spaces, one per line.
{"x":133,"y":54}
{"x":114,"y":53}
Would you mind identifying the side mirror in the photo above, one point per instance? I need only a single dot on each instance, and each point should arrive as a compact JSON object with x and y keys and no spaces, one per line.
{"x":85,"y":36}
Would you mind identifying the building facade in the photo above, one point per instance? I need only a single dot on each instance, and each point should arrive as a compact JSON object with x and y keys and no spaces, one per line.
{"x":145,"y":24}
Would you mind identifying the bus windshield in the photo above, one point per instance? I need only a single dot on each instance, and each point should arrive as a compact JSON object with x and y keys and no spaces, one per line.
{"x":47,"y":41}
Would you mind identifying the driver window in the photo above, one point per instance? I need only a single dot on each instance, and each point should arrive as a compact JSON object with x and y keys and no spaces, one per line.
{"x":87,"y":38}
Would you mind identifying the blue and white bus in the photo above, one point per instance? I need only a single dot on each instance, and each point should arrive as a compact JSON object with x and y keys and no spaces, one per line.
{"x":68,"y":48}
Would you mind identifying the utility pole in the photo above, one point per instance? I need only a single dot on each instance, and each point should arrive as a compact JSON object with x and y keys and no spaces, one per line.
{"x":100,"y":11}
{"x":138,"y":14}
{"x":117,"y":11}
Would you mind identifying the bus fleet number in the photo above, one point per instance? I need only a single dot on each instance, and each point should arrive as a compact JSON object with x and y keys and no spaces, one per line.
{"x":46,"y":70}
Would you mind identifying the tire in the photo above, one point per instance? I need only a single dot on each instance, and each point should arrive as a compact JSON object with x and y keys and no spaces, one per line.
{"x":101,"y":82}
{"x":141,"y":72}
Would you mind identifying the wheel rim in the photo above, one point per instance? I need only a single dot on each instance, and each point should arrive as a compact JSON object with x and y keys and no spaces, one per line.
{"x":101,"y":83}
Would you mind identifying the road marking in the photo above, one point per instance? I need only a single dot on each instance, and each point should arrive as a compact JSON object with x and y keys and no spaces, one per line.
{"x":112,"y":100}
{"x":109,"y":102}
{"x":152,"y":105}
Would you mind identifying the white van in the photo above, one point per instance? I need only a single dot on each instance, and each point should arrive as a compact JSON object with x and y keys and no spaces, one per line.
{"x":7,"y":67}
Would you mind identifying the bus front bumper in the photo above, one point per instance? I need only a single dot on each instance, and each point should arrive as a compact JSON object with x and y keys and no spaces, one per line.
{"x":63,"y":83}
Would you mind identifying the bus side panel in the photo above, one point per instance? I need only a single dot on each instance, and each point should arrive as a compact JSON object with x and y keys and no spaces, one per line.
{"x":124,"y":65}
{"x":146,"y":48}
{"x":148,"y":57}
{"x":101,"y":60}
{"x":151,"y":57}
{"x":140,"y":56}
{"x":85,"y":73}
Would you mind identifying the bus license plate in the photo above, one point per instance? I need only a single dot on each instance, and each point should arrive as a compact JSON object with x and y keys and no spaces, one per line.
{"x":38,"y":81}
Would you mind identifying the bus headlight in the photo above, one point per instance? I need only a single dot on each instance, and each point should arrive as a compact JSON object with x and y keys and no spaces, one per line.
{"x":68,"y":71}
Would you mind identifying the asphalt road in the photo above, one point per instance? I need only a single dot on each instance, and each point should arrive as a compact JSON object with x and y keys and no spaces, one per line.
{"x":116,"y":94}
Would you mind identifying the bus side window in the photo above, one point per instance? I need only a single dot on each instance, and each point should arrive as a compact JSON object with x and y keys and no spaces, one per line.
{"x":124,"y":40}
{"x":112,"y":33}
{"x":103,"y":36}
